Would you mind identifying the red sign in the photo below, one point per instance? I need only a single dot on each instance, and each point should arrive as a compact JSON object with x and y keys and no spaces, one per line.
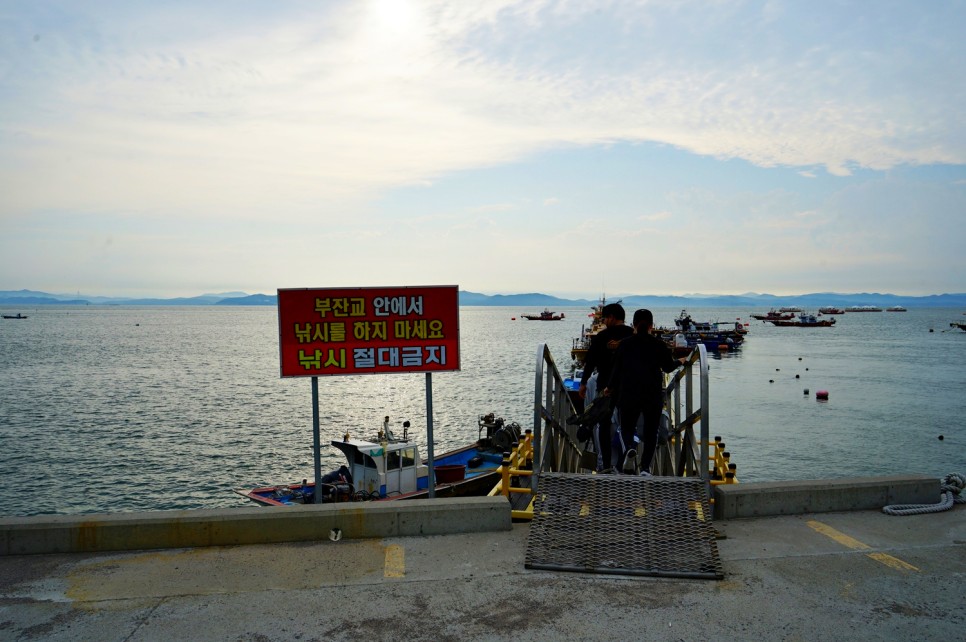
{"x":368,"y":330}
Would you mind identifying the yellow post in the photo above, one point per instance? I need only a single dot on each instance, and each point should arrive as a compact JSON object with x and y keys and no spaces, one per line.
{"x":505,"y":474}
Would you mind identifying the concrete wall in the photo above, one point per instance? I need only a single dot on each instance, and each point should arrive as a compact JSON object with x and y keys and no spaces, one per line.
{"x":822,"y":495}
{"x":221,"y":527}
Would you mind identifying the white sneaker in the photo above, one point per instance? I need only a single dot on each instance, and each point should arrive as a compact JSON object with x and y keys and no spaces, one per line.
{"x":630,"y":462}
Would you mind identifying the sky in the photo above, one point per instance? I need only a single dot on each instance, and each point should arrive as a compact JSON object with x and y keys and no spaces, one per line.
{"x":574,"y":148}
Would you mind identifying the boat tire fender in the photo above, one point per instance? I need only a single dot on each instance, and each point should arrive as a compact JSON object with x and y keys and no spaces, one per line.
{"x":506,"y":437}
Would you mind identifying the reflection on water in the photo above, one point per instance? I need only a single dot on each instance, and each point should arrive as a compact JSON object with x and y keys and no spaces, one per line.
{"x":111,"y":408}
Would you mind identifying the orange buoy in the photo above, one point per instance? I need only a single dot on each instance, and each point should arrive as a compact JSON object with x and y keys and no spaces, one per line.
{"x":822,"y":395}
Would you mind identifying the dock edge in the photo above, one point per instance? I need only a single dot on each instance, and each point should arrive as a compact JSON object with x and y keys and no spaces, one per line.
{"x":42,"y":534}
{"x":733,"y":501}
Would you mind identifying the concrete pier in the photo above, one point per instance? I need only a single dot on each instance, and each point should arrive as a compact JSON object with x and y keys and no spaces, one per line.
{"x":265,"y":525}
{"x":733,"y":501}
{"x":857,"y":575}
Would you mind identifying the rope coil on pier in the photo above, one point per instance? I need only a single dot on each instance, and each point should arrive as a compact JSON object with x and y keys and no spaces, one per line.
{"x":951,"y":493}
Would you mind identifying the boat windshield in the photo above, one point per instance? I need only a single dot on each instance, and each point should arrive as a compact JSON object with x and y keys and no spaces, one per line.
{"x":409,"y":457}
{"x":405,"y":458}
{"x":364,"y":460}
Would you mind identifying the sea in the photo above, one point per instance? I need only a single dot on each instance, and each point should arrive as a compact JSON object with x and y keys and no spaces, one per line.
{"x":113,"y":408}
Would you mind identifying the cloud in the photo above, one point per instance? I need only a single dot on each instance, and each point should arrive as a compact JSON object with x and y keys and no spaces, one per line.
{"x":327,"y":104}
{"x":340,"y":132}
{"x":657,"y":216}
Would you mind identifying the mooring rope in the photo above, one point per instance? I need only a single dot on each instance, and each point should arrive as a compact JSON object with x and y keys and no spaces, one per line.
{"x":950,"y":489}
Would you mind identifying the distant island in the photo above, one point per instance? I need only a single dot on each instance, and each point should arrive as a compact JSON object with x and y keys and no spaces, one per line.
{"x":26,"y":298}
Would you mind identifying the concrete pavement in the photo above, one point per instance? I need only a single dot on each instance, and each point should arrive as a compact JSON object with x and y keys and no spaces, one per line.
{"x":830,"y":576}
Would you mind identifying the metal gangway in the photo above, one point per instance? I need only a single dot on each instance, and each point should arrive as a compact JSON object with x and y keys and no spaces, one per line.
{"x":552,"y":445}
{"x":656,"y":525}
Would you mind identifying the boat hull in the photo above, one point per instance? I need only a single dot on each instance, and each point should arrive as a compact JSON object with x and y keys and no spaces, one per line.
{"x":801,"y":324}
{"x":466,"y":471}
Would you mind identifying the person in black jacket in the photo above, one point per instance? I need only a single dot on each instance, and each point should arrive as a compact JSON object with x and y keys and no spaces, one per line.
{"x":637,"y":385}
{"x":600,"y":357}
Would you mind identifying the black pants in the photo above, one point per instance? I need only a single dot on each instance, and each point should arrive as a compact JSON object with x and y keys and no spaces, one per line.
{"x":630,"y":411}
{"x":606,"y":439}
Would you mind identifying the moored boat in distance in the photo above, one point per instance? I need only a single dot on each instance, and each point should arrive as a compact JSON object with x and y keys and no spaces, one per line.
{"x":896,"y":308}
{"x":15,"y":316}
{"x":863,"y":308}
{"x":546,"y":315}
{"x":582,"y":343}
{"x":805,"y":320}
{"x":714,"y":335}
{"x":829,"y":309}
{"x":957,"y":324}
{"x":685,"y":323}
{"x":773,"y":314}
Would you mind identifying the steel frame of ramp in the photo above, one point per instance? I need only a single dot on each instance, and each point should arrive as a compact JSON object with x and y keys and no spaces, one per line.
{"x":623,"y":525}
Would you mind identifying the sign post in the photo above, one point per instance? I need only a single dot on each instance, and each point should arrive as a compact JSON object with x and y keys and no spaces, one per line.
{"x":431,"y":479}
{"x":316,"y":439}
{"x":386,"y":330}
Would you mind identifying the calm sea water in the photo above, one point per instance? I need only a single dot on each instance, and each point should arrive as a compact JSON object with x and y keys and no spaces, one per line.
{"x":119,"y":408}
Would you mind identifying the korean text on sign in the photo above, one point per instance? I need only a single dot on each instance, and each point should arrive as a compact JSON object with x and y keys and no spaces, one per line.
{"x":368,"y":330}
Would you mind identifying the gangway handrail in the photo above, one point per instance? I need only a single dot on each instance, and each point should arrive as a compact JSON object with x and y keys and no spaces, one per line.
{"x":682,"y":423}
{"x":555,"y":448}
{"x":552,"y":405}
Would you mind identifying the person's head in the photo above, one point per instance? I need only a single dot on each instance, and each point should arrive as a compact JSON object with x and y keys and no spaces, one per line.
{"x":612,"y":313}
{"x":643,"y":320}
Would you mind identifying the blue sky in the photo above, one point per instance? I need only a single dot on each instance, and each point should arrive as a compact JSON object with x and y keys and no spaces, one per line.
{"x":574,"y":148}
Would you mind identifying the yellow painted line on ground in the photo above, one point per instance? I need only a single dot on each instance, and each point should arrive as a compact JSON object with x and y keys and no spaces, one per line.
{"x":893,"y":562}
{"x":395,"y":565}
{"x":841,"y":538}
{"x":854,"y":544}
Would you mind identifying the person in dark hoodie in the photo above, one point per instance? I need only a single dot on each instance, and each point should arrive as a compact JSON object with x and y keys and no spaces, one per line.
{"x":637,"y":385}
{"x":600,"y":357}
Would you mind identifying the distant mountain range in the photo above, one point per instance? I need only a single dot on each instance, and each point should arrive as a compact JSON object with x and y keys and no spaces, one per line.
{"x":532,"y":300}
{"x":807,"y":301}
{"x":31,"y":297}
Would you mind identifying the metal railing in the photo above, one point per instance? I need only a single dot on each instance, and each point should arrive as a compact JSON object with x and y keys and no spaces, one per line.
{"x":555,"y":447}
{"x":685,"y":454}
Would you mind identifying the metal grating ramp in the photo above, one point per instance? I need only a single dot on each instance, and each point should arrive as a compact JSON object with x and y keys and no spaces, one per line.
{"x":622,"y":524}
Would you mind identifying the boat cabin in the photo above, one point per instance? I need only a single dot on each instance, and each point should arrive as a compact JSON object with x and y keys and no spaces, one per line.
{"x":389,"y":468}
